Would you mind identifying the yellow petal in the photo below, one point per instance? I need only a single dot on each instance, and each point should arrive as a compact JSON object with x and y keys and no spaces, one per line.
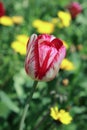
{"x":65,"y":18}
{"x":43,"y":26}
{"x":54,"y":113}
{"x":19,"y":47}
{"x":55,"y":20}
{"x":17,"y":19}
{"x":65,"y":44}
{"x":67,"y":65}
{"x":37,"y":23}
{"x":65,"y":117}
{"x":22,"y":38}
{"x":62,"y":116}
{"x":6,"y":21}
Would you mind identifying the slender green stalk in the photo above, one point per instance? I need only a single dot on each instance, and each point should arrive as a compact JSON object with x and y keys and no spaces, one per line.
{"x":44,"y":118}
{"x":25,"y":111}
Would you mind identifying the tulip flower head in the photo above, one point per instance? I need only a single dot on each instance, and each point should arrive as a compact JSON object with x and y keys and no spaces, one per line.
{"x":2,"y":10}
{"x":75,"y":9}
{"x":44,"y":56}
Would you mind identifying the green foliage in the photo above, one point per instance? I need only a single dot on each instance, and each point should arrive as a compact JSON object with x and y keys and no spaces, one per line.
{"x":15,"y":85}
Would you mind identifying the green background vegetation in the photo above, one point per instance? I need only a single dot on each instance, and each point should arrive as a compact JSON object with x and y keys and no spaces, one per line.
{"x":15,"y":84}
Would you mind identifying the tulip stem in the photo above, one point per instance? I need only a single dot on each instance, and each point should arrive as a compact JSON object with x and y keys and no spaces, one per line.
{"x":28,"y":100}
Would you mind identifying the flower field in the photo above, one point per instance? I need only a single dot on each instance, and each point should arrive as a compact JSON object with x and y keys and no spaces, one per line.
{"x":55,"y":56}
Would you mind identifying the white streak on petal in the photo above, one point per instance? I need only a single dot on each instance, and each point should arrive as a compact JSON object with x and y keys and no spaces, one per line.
{"x":52,"y":37}
{"x":62,"y":53}
{"x":32,"y":62}
{"x":40,"y":41}
{"x":48,"y":37}
{"x":52,"y":55}
{"x":49,"y":75}
{"x":31,"y":41}
{"x":30,"y":58}
{"x":42,"y":53}
{"x":52,"y":72}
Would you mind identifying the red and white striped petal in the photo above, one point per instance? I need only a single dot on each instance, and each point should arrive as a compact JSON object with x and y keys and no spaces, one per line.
{"x":44,"y":55}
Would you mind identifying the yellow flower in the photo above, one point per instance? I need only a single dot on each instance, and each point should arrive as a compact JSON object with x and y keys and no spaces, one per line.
{"x":18,"y":47}
{"x":54,"y":112}
{"x":65,"y":44}
{"x":65,"y":18}
{"x":22,"y":38}
{"x":43,"y":26}
{"x":67,"y":65}
{"x":64,"y":117}
{"x":60,"y":115}
{"x":20,"y":44}
{"x":55,"y":20}
{"x":17,"y":19}
{"x":6,"y":21}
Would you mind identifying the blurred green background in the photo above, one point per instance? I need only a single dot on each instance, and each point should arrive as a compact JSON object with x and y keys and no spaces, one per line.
{"x":68,"y":90}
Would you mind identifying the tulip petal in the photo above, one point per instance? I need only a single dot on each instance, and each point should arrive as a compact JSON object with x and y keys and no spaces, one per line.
{"x":46,"y":37}
{"x":44,"y":55}
{"x":47,"y":55}
{"x":57,"y":43}
{"x":30,"y":58}
{"x":31,"y":41}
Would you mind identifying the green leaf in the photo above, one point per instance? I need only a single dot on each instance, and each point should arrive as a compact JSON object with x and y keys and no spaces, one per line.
{"x":4,"y":110}
{"x":8,"y":102}
{"x":42,"y":85}
{"x":78,"y":110}
{"x":83,"y":84}
{"x":70,"y":127}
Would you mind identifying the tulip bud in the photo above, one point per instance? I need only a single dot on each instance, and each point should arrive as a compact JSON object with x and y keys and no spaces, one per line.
{"x":44,"y":56}
{"x":75,"y":9}
{"x":2,"y":10}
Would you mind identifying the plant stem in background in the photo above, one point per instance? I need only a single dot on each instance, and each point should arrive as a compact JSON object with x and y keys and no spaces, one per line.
{"x":42,"y":120}
{"x":25,"y":111}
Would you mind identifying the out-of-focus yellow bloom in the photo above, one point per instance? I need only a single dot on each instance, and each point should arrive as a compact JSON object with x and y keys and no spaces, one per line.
{"x":60,"y":115}
{"x":65,"y":18}
{"x":18,"y":47}
{"x":55,"y":20}
{"x":17,"y":19}
{"x":65,"y":44}
{"x":54,"y":113}
{"x":22,"y":38}
{"x":67,"y":65}
{"x":20,"y":44}
{"x":43,"y":26}
{"x":64,"y":117}
{"x":6,"y":21}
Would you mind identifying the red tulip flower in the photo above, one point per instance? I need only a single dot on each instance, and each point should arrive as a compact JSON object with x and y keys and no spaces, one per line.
{"x":2,"y":10}
{"x":44,"y":56}
{"x":75,"y":9}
